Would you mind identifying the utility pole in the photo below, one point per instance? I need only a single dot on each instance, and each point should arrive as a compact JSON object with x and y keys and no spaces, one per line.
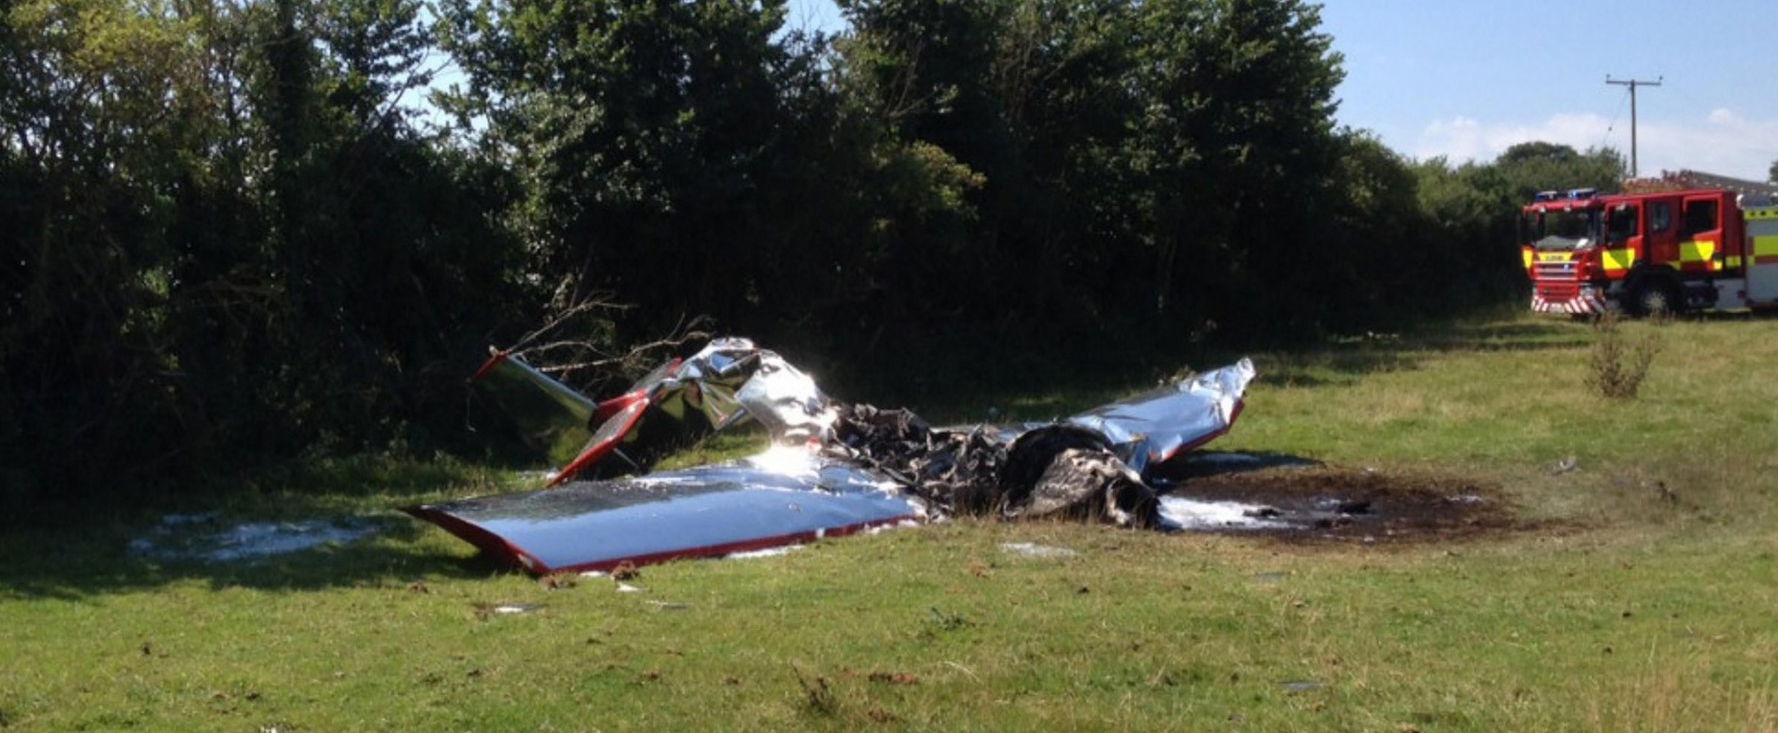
{"x":1632,"y":84}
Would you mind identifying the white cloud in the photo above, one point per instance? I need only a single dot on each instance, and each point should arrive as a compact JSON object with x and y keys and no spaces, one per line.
{"x":1721,"y":142}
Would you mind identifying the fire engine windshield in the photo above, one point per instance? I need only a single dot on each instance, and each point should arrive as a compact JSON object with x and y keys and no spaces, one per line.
{"x":1561,"y":230}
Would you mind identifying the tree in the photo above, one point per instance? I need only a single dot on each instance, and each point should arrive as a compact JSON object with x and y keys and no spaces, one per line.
{"x":1382,"y":263}
{"x":98,"y":99}
{"x":233,"y":246}
{"x":1529,"y":167}
{"x":1030,"y":100}
{"x":643,"y":133}
{"x":1237,"y":131}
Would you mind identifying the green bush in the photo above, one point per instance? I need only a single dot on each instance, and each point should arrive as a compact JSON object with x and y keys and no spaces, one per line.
{"x":1616,"y":365}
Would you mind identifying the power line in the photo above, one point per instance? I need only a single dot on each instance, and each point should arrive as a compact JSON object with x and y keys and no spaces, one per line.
{"x":1632,"y":84}
{"x":1622,"y":102}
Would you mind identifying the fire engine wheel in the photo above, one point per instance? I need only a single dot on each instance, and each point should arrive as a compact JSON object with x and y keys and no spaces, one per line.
{"x":1655,"y":298}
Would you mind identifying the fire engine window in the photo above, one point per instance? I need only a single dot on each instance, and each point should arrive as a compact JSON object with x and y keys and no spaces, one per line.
{"x":1622,"y":224}
{"x":1700,"y":216}
{"x":1660,"y":216}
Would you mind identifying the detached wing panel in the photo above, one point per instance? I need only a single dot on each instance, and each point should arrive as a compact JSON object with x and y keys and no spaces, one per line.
{"x":698,"y":512}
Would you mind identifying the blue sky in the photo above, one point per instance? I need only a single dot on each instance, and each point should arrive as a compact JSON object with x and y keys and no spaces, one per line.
{"x":1467,"y":79}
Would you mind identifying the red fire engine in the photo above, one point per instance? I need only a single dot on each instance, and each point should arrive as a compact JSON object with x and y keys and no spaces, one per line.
{"x":1675,"y":245}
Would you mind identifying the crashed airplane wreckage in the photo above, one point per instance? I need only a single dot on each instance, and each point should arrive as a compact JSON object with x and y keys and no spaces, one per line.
{"x":832,"y":468}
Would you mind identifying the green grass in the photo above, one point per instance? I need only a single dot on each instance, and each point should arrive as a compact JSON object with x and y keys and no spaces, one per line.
{"x":1646,"y":604}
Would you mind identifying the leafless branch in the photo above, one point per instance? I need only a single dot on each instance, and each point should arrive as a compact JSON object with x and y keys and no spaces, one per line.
{"x":594,"y":302}
{"x":634,"y":360}
{"x":587,"y":359}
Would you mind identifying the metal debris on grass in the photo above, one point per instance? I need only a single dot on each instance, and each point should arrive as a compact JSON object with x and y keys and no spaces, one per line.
{"x":834,"y":468}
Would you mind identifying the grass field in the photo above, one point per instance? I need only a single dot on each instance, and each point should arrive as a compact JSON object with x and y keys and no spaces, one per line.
{"x":1640,"y":593}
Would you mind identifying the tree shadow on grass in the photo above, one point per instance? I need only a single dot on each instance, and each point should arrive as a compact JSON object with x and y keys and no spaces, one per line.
{"x":101,"y":554}
{"x":1343,"y":361}
{"x":97,"y":563}
{"x":984,"y":395}
{"x":1768,"y":314}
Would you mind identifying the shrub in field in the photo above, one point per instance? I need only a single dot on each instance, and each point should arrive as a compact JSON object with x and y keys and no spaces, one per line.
{"x":1616,"y":366}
